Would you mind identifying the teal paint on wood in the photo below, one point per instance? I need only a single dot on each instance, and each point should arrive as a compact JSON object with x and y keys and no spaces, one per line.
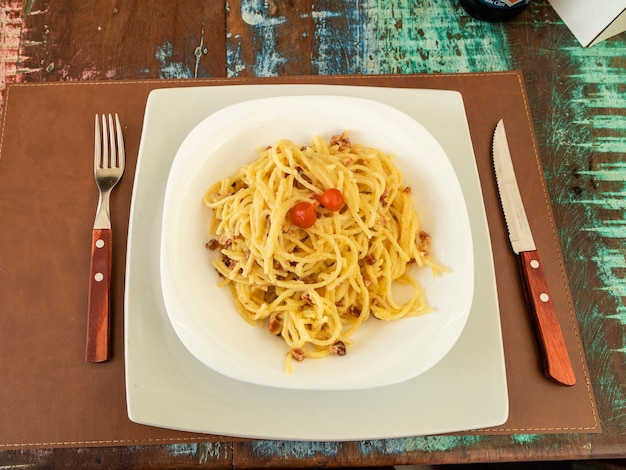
{"x":587,"y":181}
{"x":208,"y":451}
{"x":267,"y":63}
{"x":182,"y":449}
{"x":168,"y":68}
{"x":602,"y":69}
{"x":377,"y":37}
{"x":526,"y":439}
{"x":294,"y":449}
{"x":399,"y":36}
{"x":203,"y":451}
{"x":418,"y":444}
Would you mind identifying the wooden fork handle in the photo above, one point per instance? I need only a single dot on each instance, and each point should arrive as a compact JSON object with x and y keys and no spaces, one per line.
{"x":556,"y":361}
{"x":99,"y":313}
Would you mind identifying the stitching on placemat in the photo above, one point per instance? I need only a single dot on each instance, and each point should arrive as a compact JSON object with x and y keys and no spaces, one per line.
{"x":4,"y":120}
{"x":299,"y":78}
{"x":108,"y":441}
{"x":306,"y":78}
{"x":556,"y":428}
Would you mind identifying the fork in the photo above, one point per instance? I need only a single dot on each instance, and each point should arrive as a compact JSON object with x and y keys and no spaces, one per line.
{"x":109,"y":161}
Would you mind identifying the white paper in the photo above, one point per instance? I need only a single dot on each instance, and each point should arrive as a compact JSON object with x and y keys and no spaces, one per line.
{"x":592,"y":21}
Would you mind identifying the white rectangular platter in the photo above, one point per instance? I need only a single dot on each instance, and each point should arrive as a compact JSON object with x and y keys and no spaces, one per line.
{"x":168,"y":387}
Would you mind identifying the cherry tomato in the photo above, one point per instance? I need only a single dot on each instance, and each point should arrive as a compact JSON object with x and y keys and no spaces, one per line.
{"x":331,"y":199}
{"x":303,"y":214}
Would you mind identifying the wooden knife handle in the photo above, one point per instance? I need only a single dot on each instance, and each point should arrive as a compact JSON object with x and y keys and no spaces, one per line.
{"x":99,"y":310}
{"x":556,"y":361}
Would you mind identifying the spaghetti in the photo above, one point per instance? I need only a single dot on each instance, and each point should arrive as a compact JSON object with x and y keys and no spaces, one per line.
{"x":315,"y":286}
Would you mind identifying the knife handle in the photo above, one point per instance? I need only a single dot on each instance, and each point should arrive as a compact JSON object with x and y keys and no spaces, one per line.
{"x":99,"y":309}
{"x":556,"y":361}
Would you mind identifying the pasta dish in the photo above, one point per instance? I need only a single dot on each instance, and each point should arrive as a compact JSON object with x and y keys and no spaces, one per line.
{"x":311,"y":239}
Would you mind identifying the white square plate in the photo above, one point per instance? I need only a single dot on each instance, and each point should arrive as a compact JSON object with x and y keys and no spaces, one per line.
{"x":168,"y":387}
{"x":205,"y":316}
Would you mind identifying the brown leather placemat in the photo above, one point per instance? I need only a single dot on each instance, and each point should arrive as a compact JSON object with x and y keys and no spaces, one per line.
{"x":52,"y":398}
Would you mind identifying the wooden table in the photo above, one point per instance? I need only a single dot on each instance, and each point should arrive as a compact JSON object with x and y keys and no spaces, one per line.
{"x":578,"y":103}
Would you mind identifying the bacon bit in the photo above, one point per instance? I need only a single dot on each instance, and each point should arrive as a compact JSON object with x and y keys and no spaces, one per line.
{"x":340,"y":303}
{"x":407,"y":190}
{"x":274,"y":326}
{"x":268,"y":147}
{"x":370,"y":259}
{"x":347,"y":161}
{"x":212,"y":244}
{"x":354,"y":311}
{"x":228,"y":262}
{"x":425,"y":242}
{"x":225,"y":240}
{"x":298,"y":354}
{"x":306,"y":296}
{"x":339,"y":348}
{"x":304,"y":280}
{"x":302,"y":175}
{"x":383,"y":198}
{"x":341,"y":140}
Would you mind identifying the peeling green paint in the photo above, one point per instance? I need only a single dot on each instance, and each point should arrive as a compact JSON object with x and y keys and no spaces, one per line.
{"x":397,"y":36}
{"x":169,"y":68}
{"x":418,"y":444}
{"x":526,"y":439}
{"x":182,"y":449}
{"x":379,"y":37}
{"x":294,"y":449}
{"x":204,"y":451}
{"x":599,"y":95}
{"x":209,"y":451}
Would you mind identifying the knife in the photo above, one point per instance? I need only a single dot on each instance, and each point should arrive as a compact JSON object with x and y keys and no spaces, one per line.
{"x":556,"y":362}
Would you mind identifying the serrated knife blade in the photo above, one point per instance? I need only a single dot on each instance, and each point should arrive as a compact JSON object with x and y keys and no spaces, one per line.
{"x":556,"y":361}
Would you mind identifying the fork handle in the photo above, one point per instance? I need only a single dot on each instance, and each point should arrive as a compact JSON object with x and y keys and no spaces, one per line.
{"x":99,"y":314}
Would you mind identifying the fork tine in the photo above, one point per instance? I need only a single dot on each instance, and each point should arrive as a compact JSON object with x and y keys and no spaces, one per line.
{"x":120,"y":143}
{"x":97,"y":157}
{"x":113,"y":162}
{"x":105,"y":143}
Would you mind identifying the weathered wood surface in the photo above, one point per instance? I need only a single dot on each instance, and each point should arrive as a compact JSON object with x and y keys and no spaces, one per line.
{"x":578,"y":103}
